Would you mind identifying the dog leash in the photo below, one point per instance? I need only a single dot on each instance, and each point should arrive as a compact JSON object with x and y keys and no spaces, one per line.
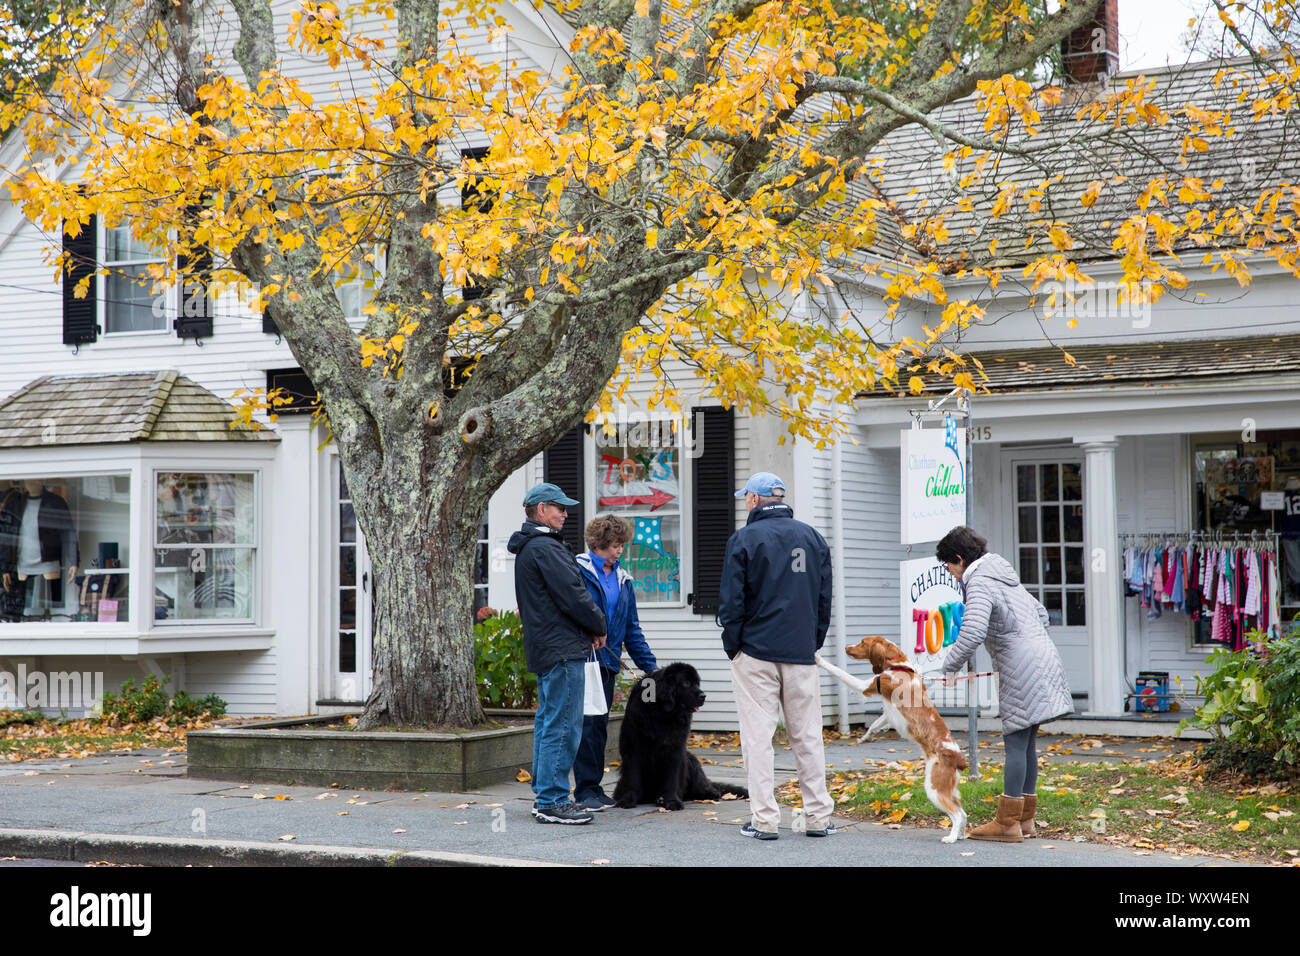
{"x":960,"y":677}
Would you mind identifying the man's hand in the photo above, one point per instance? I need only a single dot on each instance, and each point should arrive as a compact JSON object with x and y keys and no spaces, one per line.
{"x":597,"y":641}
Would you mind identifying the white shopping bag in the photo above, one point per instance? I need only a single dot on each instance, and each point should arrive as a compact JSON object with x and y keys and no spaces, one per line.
{"x":595,"y":704}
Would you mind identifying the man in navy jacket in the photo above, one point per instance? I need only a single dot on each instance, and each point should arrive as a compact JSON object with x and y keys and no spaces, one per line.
{"x":775,"y":611}
{"x":562,"y":624}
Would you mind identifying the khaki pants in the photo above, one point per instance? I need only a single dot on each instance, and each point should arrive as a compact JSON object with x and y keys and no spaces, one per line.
{"x":760,"y":685}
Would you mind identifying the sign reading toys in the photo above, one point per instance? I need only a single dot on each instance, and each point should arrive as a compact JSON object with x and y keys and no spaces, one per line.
{"x":933,"y":471}
{"x":931,"y":619}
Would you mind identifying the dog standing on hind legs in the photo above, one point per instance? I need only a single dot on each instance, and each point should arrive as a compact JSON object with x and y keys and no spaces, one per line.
{"x":908,"y":710}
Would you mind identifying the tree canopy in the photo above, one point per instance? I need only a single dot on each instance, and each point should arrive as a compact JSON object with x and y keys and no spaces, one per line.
{"x":661,"y":203}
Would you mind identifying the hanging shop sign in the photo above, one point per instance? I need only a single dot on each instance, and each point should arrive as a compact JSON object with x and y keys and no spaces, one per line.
{"x":933,"y":470}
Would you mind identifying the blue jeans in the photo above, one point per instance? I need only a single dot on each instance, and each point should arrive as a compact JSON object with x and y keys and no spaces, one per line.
{"x":557,"y":730}
{"x":589,"y":765}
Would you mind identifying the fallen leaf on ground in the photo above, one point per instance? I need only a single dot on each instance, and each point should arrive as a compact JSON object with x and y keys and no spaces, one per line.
{"x":1241,"y":825}
{"x":523,"y":776}
{"x":288,"y":837}
{"x":342,"y":813}
{"x":599,"y":862}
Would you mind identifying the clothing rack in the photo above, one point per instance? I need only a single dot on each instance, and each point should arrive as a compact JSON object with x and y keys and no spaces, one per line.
{"x":1265,"y":543}
{"x":1209,"y":539}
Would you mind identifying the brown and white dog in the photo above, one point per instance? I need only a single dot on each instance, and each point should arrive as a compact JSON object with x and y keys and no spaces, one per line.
{"x":908,"y":710}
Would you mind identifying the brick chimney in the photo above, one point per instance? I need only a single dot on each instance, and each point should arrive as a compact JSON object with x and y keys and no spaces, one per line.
{"x":1091,"y":53}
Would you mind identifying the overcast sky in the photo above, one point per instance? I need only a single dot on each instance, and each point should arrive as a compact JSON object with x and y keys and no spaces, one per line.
{"x":1151,"y":31}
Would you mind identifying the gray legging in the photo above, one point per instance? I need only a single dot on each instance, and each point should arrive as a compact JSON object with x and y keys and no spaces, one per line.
{"x":1020,"y":776}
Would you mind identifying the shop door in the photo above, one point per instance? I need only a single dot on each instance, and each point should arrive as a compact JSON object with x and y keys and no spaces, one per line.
{"x":352,"y":611}
{"x":1047,"y":518}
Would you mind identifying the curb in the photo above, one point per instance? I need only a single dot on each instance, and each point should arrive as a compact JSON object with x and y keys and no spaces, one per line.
{"x":170,"y":851}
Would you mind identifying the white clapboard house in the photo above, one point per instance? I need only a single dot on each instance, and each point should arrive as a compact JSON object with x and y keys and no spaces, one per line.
{"x":231,"y":559}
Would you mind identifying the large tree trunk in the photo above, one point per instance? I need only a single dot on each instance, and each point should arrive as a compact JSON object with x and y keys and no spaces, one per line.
{"x":422,"y":538}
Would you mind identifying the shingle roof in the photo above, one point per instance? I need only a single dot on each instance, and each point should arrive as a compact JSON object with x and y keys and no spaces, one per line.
{"x":109,"y":409}
{"x":1148,"y":364}
{"x":908,"y":170}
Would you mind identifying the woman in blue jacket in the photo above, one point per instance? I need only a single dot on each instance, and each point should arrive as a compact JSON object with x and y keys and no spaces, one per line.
{"x":611,"y":588}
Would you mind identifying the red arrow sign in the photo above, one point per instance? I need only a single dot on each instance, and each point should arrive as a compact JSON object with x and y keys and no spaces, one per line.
{"x":656,"y":500}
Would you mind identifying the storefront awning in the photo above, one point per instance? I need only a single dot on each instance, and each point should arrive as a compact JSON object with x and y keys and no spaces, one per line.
{"x":110,"y":409}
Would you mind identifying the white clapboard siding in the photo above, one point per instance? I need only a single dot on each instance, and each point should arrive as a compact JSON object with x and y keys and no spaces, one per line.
{"x":246,"y":680}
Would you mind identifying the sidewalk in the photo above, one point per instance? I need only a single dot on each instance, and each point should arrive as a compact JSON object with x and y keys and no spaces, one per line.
{"x":142,"y":807}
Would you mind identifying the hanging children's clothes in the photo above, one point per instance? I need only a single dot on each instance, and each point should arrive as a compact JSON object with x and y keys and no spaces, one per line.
{"x":1229,"y":590}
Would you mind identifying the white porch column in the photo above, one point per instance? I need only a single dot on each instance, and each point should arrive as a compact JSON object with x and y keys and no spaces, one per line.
{"x":1101,"y":592}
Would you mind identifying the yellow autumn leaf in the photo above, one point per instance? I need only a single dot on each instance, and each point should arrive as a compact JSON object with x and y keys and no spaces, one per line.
{"x":1241,"y":825}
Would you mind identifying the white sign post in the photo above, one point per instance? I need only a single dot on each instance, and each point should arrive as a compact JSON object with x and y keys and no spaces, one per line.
{"x":935,"y":471}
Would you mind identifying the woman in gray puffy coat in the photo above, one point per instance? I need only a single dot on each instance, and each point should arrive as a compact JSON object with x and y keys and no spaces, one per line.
{"x":1032,"y":688}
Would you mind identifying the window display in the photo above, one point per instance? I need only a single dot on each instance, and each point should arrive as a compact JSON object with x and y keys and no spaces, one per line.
{"x":638,"y":476}
{"x":1244,"y":487}
{"x":204,"y":547}
{"x":63,"y":549}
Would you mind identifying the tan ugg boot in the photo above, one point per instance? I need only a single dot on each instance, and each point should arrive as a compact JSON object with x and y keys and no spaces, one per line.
{"x":1005,"y":827}
{"x":1027,"y":816}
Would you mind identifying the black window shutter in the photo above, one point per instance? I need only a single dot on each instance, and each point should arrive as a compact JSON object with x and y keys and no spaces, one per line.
{"x":713,"y":503}
{"x":194,"y":312}
{"x":562,"y":465}
{"x":473,"y":195}
{"x":268,"y":323}
{"x":80,"y":316}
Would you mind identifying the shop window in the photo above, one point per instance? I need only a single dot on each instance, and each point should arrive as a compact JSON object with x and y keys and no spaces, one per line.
{"x":65,"y":549}
{"x":1245,"y":487}
{"x":1049,"y":538}
{"x":205,"y":534}
{"x":638,"y":476}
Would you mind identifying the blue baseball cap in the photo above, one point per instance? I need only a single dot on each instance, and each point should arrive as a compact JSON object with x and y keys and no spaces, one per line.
{"x":549,"y":493}
{"x":764,"y":483}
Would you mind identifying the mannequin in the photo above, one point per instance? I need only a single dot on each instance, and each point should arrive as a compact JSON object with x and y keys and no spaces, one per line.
{"x":41,"y":540}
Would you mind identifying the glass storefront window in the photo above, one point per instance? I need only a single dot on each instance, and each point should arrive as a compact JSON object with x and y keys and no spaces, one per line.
{"x":65,"y":549}
{"x":1253,"y":486}
{"x":638,"y":476}
{"x":204,"y":546}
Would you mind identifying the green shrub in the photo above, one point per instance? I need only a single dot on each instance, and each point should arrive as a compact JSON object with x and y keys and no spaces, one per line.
{"x":503,"y":679}
{"x":150,"y":700}
{"x":1252,"y":704}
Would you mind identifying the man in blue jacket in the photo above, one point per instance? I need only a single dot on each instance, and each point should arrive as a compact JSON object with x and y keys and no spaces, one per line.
{"x":562,"y":624}
{"x":775,"y":611}
{"x":611,"y":588}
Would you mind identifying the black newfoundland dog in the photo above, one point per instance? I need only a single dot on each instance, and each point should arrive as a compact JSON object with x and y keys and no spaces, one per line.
{"x":656,"y":765}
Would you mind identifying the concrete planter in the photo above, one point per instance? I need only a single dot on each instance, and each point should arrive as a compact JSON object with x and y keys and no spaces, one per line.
{"x":293,"y":752}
